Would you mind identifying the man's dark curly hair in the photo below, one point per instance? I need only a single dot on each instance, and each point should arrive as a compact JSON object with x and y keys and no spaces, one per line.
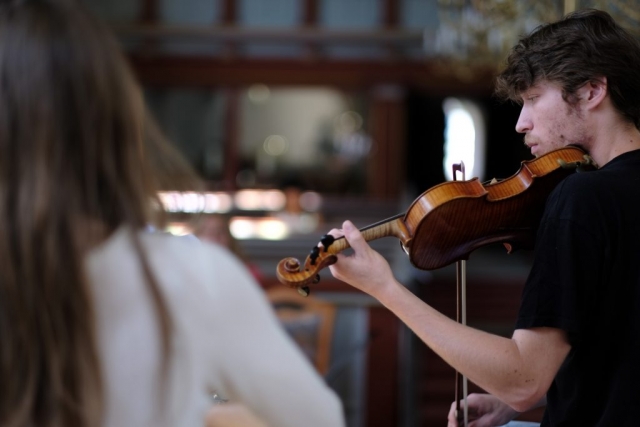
{"x":583,"y":46}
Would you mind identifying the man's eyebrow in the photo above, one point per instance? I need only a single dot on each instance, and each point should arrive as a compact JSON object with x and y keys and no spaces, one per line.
{"x":527,"y":91}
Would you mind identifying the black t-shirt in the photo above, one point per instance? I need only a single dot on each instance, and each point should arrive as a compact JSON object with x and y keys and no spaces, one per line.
{"x":585,"y":280}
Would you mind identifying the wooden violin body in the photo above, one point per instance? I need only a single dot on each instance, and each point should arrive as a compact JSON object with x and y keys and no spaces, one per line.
{"x":450,"y":220}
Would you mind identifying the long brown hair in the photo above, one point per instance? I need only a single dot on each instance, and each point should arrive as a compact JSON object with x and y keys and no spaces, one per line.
{"x":71,"y":155}
{"x":583,"y":46}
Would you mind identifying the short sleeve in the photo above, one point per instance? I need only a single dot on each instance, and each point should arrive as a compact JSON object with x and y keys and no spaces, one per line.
{"x":562,"y":287}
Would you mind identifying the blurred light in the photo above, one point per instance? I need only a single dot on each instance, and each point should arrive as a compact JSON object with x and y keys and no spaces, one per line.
{"x":273,"y":200}
{"x":169,"y":201}
{"x":192,"y":202}
{"x":307,"y":223}
{"x":243,"y":228}
{"x":275,"y":145}
{"x":349,"y":121}
{"x":178,"y":229}
{"x":258,"y":93}
{"x":217,"y":202}
{"x":254,"y":200}
{"x":272,"y":229}
{"x":248,"y":200}
{"x":310,"y":201}
{"x":220,"y":202}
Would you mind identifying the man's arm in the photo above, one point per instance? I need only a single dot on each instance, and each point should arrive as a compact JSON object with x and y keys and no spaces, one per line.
{"x":517,"y":370}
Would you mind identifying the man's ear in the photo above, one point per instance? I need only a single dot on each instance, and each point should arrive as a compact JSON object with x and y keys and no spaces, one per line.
{"x":593,"y":92}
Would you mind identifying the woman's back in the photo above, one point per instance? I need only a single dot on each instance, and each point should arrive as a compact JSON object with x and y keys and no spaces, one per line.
{"x":225,"y":339}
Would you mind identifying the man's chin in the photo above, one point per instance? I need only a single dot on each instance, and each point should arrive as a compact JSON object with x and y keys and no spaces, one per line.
{"x":535,"y":151}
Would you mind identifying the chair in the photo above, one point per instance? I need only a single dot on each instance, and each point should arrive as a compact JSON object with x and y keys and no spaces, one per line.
{"x":308,"y":320}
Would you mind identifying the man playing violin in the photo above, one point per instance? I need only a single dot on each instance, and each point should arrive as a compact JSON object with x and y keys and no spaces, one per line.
{"x":575,"y":347}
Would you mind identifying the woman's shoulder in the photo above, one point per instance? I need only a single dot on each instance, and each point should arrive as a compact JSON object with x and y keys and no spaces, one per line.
{"x":181,"y":248}
{"x":173,"y":259}
{"x":199,"y":279}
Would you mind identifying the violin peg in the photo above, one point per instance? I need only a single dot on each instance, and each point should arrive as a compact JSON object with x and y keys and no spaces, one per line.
{"x":326,"y":241}
{"x":314,"y":254}
{"x":316,"y":279}
{"x":304,"y":291}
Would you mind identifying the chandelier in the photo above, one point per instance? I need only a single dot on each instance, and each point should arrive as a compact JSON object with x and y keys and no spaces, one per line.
{"x":478,"y":34}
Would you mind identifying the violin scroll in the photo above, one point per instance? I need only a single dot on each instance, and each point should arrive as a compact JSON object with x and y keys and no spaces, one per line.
{"x":291,"y":273}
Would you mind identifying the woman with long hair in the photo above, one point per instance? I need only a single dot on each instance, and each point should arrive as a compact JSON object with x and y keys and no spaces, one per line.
{"x":101,"y":322}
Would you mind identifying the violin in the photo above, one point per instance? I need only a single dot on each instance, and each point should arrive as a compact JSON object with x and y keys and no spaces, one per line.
{"x":450,"y":220}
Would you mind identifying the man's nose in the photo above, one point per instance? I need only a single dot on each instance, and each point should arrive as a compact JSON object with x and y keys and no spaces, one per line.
{"x":524,"y":123}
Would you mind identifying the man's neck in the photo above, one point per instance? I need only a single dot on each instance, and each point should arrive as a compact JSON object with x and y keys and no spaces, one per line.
{"x":612,"y":141}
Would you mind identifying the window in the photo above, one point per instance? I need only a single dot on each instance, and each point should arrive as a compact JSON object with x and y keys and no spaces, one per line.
{"x":464,"y":138}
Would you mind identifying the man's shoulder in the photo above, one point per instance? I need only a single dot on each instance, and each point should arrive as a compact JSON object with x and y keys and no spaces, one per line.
{"x":578,"y":187}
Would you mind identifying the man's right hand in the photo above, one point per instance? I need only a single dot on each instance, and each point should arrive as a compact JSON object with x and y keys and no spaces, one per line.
{"x":485,"y":410}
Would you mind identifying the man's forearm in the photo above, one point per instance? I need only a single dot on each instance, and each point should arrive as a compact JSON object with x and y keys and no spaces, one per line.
{"x":494,"y":363}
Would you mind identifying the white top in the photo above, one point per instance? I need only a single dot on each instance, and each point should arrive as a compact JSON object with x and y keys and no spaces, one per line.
{"x":226,"y":339}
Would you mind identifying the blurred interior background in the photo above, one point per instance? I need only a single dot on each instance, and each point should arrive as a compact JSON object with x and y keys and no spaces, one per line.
{"x":300,"y":114}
